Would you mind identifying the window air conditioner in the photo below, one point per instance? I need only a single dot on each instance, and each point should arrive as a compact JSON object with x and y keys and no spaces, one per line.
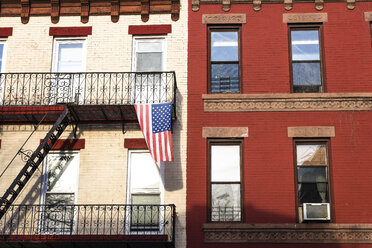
{"x":316,"y":211}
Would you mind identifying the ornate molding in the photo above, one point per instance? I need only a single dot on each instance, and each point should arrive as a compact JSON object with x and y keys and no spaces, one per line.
{"x":85,"y":8}
{"x":350,"y":4}
{"x":115,"y":8}
{"x":54,"y":12}
{"x":175,"y":10}
{"x":305,"y":17}
{"x":256,"y":5}
{"x":84,"y":15}
{"x":287,"y":102}
{"x":25,"y":11}
{"x":224,"y":132}
{"x":226,"y":5}
{"x":319,"y":4}
{"x":288,"y":4}
{"x":368,"y":16}
{"x":311,"y":132}
{"x":145,"y":10}
{"x":224,"y":18}
{"x":287,"y":233}
{"x":195,"y":5}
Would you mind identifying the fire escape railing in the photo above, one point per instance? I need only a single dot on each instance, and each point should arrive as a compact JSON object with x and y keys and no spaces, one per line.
{"x":88,"y":88}
{"x":143,"y":223}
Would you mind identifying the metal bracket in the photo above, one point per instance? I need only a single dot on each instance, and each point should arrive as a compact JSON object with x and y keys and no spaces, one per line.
{"x":122,"y":120}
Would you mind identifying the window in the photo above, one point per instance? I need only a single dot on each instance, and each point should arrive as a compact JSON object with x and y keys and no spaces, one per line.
{"x":224,"y":64}
{"x":306,"y":58}
{"x":312,"y":170}
{"x":145,"y":192}
{"x":2,"y":67}
{"x":69,"y":62}
{"x":59,"y":192}
{"x":225,"y":158}
{"x":149,"y":57}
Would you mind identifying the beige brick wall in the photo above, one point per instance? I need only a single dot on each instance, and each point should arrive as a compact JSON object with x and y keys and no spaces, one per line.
{"x":103,"y":162}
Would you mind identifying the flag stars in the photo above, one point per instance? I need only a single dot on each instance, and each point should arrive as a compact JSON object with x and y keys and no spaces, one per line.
{"x":161,"y":117}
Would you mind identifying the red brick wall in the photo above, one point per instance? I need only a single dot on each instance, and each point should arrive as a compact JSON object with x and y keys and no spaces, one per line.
{"x":269,"y":185}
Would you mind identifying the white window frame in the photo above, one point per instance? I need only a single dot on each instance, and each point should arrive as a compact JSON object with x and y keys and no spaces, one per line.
{"x":129,"y":193}
{"x":44,"y":182}
{"x":69,"y":40}
{"x":149,"y":38}
{"x":2,"y":68}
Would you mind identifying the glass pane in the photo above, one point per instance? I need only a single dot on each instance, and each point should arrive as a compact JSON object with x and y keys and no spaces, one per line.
{"x":305,"y":45}
{"x":58,"y":214}
{"x":62,"y":174}
{"x":144,"y":172}
{"x":306,"y":73}
{"x":145,"y":215}
{"x":312,"y":193}
{"x":225,"y":202}
{"x":225,"y":163}
{"x":311,"y":154}
{"x":1,"y":55}
{"x":224,"y":78}
{"x":150,"y":46}
{"x":149,"y":62}
{"x":224,"y":46}
{"x":310,"y":174}
{"x":70,"y":57}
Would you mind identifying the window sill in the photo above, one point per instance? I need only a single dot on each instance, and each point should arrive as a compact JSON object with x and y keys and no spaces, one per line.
{"x":287,"y":233}
{"x":287,"y":102}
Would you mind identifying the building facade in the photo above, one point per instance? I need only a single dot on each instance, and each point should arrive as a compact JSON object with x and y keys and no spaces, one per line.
{"x":75,"y":167}
{"x":279,"y":103}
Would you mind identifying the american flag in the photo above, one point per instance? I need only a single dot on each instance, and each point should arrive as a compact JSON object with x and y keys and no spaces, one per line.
{"x":155,"y":122}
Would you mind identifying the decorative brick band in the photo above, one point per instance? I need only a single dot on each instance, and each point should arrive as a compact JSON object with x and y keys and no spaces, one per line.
{"x":311,"y":132}
{"x":135,"y":144}
{"x":5,"y":32}
{"x":149,"y":29}
{"x":287,"y":102}
{"x":225,"y":132}
{"x":70,"y":31}
{"x":224,"y":18}
{"x":287,"y":233}
{"x":68,"y":144}
{"x":305,"y":17}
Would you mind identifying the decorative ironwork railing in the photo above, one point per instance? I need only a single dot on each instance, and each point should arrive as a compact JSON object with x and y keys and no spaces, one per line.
{"x":90,"y":88}
{"x":89,"y":222}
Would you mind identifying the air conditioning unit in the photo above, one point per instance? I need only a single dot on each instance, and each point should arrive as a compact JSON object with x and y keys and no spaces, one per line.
{"x":316,"y":211}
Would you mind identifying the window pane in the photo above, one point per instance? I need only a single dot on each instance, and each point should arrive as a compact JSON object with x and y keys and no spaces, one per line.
{"x":145,"y":215}
{"x":306,"y":73}
{"x":312,"y":193}
{"x":311,"y":154}
{"x":225,"y":163}
{"x":62,"y":174}
{"x":310,"y":174}
{"x":224,"y":78}
{"x":149,"y":62}
{"x":150,"y":46}
{"x":144,"y":172}
{"x":70,"y":57}
{"x":224,"y":46}
{"x":305,"y":45}
{"x":225,"y":202}
{"x":1,"y":55}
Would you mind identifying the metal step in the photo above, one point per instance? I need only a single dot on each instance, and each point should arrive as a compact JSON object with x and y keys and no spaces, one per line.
{"x":33,"y":162}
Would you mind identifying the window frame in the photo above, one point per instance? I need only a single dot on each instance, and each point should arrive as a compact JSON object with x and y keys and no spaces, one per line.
{"x":304,"y":27}
{"x":223,"y":28}
{"x":3,"y":55}
{"x":135,"y":45}
{"x":224,"y":142}
{"x":68,"y":40}
{"x":313,"y":141}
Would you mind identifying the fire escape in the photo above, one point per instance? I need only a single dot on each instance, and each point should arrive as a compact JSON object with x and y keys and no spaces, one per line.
{"x":71,"y":99}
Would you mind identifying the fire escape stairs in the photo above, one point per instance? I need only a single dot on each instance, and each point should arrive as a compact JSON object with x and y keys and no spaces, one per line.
{"x":34,"y":161}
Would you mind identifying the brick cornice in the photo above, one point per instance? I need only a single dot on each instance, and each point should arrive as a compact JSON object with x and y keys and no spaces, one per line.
{"x":287,"y":102}
{"x":85,"y":8}
{"x":287,"y":233}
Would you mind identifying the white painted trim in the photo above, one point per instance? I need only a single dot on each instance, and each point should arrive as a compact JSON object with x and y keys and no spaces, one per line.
{"x":59,"y":41}
{"x":5,"y":42}
{"x":149,"y":38}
